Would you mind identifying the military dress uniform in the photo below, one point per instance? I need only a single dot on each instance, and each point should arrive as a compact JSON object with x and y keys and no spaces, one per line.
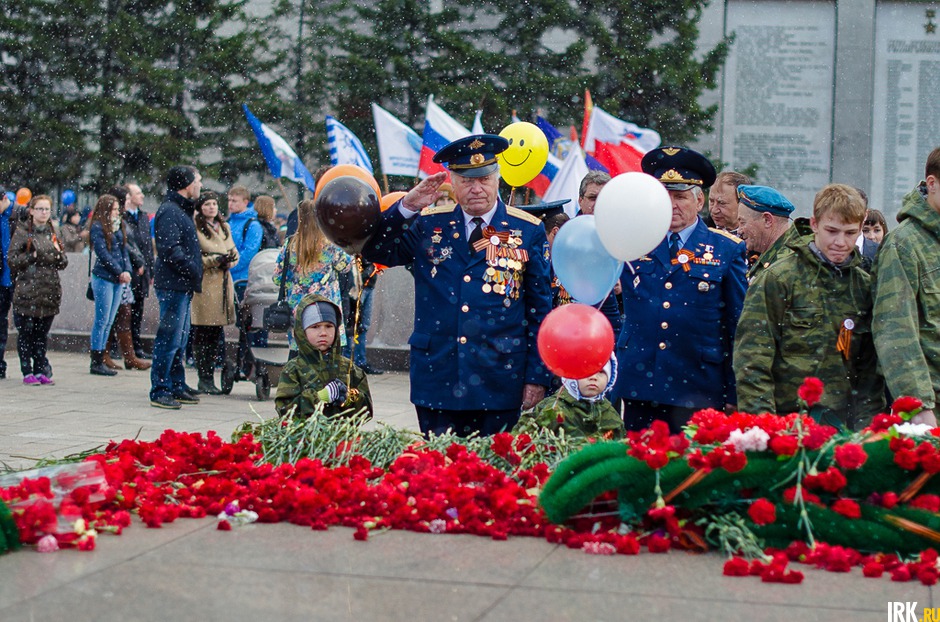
{"x":680,"y":313}
{"x":477,"y":310}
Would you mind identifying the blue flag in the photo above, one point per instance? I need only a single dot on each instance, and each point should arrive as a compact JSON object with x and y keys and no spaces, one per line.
{"x":560,"y":146}
{"x":281,"y":159}
{"x":345,"y":147}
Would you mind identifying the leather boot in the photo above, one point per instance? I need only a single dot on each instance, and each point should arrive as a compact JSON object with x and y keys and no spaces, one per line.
{"x":98,"y":368}
{"x":126,"y":341}
{"x":205,"y":368}
{"x":107,"y":361}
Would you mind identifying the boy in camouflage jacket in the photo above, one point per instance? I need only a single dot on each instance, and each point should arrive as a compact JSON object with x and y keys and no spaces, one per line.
{"x":907,"y":296}
{"x":809,"y":314}
{"x":580,"y":408}
{"x":320,"y":373}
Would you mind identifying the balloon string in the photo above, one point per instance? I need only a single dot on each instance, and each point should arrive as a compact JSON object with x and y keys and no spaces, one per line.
{"x":632,"y":271}
{"x":352,"y":346}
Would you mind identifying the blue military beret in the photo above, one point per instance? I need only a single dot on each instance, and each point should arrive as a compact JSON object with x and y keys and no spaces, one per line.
{"x":472,"y":156}
{"x":679,"y":168}
{"x":765,"y":199}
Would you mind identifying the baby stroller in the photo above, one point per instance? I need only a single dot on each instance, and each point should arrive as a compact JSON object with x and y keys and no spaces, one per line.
{"x":256,"y":362}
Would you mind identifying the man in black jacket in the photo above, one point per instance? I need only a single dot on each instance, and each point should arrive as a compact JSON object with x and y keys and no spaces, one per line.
{"x":137,"y":223}
{"x":177,"y":274}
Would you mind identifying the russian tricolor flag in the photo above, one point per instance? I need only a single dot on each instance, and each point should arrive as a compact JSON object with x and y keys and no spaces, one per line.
{"x":618,"y":145}
{"x":440,"y":129}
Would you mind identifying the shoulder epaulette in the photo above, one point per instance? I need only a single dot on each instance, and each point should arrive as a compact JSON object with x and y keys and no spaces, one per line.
{"x":730,"y":236}
{"x":524,"y":215}
{"x":439,"y":209}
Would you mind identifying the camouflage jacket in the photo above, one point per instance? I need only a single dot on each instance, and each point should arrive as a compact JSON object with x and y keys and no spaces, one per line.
{"x":789,"y":329}
{"x":578,"y":418}
{"x":312,"y":370}
{"x":907,"y":302}
{"x":780,"y":248}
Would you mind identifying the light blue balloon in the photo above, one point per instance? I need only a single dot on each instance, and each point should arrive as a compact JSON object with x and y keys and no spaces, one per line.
{"x":582,"y":264}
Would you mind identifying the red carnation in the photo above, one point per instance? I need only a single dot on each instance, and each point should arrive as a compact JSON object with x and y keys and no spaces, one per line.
{"x":224,"y":525}
{"x":736,"y":567}
{"x":906,"y":404}
{"x":906,"y":459}
{"x":733,"y":461}
{"x":658,"y":544}
{"x":810,"y":391}
{"x":847,"y":508}
{"x":762,"y":512}
{"x":889,"y":500}
{"x":784,"y":445}
{"x":873,"y":570}
{"x":850,"y":456}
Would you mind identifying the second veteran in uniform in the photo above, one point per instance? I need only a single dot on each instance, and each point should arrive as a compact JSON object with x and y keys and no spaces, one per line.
{"x":481,"y":291}
{"x":681,"y":305}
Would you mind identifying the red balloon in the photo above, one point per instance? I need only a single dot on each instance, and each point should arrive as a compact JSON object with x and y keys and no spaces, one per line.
{"x":575,"y":341}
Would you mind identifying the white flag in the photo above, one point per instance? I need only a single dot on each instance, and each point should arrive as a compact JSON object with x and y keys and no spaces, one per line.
{"x":399,"y":145}
{"x":478,"y":123}
{"x":567,"y":183}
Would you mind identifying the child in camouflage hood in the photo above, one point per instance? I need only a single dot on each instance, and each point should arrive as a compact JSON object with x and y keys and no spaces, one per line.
{"x":580,"y":408}
{"x":320,"y":373}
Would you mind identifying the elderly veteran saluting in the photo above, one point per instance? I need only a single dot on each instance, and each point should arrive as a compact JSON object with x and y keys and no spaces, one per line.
{"x":681,"y":305}
{"x":481,"y":291}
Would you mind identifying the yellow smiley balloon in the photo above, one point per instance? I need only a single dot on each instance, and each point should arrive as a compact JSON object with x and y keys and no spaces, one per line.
{"x":526,"y":156}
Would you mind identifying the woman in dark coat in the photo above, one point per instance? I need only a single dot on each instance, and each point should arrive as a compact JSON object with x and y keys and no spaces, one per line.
{"x":35,"y":259}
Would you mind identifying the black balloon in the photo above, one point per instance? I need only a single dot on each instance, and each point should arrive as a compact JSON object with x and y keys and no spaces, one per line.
{"x":348,"y":213}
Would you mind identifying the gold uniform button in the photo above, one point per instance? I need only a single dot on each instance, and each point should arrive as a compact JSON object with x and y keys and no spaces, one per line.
{"x":465,"y":308}
{"x":662,"y":346}
{"x":665,"y":325}
{"x":668,"y":285}
{"x":666,"y":305}
{"x":462,"y":340}
{"x":466,"y":278}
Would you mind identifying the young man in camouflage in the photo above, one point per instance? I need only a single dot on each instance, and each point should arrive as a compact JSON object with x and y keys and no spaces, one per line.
{"x":809,"y":314}
{"x":320,"y":373}
{"x":907,"y":296}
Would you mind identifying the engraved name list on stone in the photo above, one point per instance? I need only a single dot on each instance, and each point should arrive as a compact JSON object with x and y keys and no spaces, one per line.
{"x":906,"y":120}
{"x":777,"y":105}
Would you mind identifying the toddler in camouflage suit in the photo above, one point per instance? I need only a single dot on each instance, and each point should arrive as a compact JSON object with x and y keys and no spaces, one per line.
{"x":580,"y":408}
{"x":320,"y":373}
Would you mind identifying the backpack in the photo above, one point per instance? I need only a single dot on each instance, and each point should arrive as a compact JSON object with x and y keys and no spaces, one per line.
{"x":269,"y":237}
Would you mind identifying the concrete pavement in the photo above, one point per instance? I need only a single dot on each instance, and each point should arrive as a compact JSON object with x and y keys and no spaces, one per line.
{"x":188,"y":570}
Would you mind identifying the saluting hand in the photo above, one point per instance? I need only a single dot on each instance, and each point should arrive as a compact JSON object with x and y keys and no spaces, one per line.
{"x":425,"y":193}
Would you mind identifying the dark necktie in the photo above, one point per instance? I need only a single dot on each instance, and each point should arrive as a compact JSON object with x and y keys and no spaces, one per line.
{"x":674,"y":245}
{"x":477,"y":233}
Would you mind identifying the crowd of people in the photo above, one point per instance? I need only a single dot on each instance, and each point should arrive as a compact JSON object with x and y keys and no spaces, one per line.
{"x":732,"y":310}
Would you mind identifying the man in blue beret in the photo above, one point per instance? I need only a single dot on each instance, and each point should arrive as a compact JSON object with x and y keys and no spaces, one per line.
{"x":481,"y":291}
{"x":681,"y":305}
{"x":764,"y":225}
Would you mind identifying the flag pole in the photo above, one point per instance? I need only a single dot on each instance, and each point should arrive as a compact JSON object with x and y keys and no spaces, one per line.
{"x":284,"y":194}
{"x":385,"y":182}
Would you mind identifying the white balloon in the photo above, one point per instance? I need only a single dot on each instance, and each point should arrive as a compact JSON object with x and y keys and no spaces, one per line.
{"x":633,"y":212}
